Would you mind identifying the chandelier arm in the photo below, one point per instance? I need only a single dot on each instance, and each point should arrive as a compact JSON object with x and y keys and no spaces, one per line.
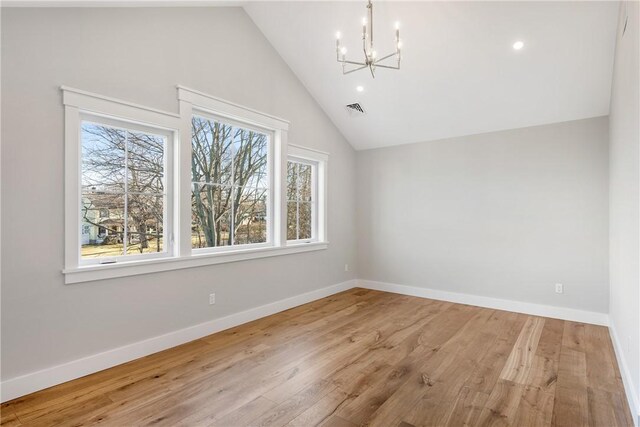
{"x":386,"y":57}
{"x":389,"y":67}
{"x":355,"y":69}
{"x":352,"y":63}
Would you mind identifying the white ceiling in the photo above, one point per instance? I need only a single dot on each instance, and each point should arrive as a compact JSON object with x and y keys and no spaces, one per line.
{"x":460,"y":74}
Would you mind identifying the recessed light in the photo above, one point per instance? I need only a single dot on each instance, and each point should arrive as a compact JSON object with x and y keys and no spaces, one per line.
{"x":359,"y":88}
{"x":518,"y":45}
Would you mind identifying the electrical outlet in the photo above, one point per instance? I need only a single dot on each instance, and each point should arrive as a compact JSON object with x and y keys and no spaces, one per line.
{"x":212,"y":299}
{"x":559,"y":288}
{"x":346,"y":267}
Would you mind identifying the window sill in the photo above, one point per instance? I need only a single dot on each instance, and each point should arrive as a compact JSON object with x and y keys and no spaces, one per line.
{"x":132,"y":268}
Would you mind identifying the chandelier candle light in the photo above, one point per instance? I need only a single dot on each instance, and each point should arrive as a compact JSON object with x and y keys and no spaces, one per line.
{"x":371,"y":60}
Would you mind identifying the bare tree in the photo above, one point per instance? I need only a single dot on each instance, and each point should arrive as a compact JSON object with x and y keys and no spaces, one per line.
{"x":229,"y":172}
{"x":299,"y":201}
{"x":129,"y":164}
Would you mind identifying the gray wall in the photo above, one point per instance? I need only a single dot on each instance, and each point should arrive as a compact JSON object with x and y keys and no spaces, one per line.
{"x":505,"y":214}
{"x":624,"y":177}
{"x":138,"y":55}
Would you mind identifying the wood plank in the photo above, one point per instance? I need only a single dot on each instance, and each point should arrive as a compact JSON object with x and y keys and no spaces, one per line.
{"x":245,"y":414}
{"x":544,"y":370}
{"x":535,"y":407}
{"x":296,"y":405}
{"x":9,"y":419}
{"x":467,"y":408}
{"x":571,"y":398}
{"x":602,"y":372}
{"x":440,"y":373}
{"x":573,"y":336}
{"x":322,"y":410}
{"x":431,"y":357}
{"x":502,"y":406}
{"x":390,"y":351}
{"x":521,"y":358}
{"x":490,"y":366}
{"x":336,"y":421}
{"x":571,"y":407}
{"x":608,"y":409}
{"x":325,"y":363}
{"x":447,"y":380}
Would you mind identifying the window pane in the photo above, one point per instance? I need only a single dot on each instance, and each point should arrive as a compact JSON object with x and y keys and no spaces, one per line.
{"x":235,"y":160}
{"x":145,"y":163}
{"x":304,"y":182}
{"x":144,"y":223}
{"x":292,"y":221}
{"x":103,"y":154}
{"x":102,"y":225}
{"x":250,"y":216}
{"x":300,"y":189}
{"x":211,"y":212}
{"x":304,"y":220}
{"x":250,"y":158}
{"x":212,"y":151}
{"x":292,"y":180}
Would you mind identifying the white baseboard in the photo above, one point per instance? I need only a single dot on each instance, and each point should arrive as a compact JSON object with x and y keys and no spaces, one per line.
{"x":629,"y":386}
{"x":497,"y":303}
{"x":25,"y":384}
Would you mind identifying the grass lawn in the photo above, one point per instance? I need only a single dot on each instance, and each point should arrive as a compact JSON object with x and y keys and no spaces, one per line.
{"x":116,"y":249}
{"x":258,"y":234}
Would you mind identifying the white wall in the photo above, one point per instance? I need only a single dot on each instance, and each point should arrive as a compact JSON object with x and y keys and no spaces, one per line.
{"x":624,"y":190}
{"x":505,"y":214}
{"x":138,"y":55}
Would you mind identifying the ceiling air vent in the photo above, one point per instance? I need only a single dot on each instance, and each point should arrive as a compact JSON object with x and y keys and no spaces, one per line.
{"x":355,"y":109}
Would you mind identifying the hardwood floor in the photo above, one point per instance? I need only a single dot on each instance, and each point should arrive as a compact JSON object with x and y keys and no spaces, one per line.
{"x":359,"y":357}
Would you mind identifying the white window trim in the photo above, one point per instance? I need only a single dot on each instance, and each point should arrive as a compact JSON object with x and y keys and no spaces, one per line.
{"x":79,"y":105}
{"x":77,"y":102}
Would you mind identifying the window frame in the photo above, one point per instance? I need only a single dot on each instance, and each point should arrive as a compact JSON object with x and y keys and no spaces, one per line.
{"x":78,"y":103}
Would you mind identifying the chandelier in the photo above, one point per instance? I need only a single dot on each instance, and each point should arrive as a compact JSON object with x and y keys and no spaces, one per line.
{"x":371,"y":58}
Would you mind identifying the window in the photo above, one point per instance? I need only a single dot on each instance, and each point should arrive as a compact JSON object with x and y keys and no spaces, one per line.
{"x":301,"y":204}
{"x":123,"y":190}
{"x":306,"y":195}
{"x":230,"y":179}
{"x":149,"y":191}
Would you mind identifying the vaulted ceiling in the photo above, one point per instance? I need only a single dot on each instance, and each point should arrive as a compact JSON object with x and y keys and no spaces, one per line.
{"x":460,"y":73}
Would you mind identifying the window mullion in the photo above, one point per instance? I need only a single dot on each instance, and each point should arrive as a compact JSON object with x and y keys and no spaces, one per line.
{"x":125,"y":233}
{"x":232,"y":221}
{"x":297,"y":174}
